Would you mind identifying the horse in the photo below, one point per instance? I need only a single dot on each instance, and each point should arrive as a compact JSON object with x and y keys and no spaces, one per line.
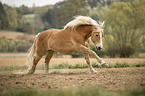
{"x":74,"y":37}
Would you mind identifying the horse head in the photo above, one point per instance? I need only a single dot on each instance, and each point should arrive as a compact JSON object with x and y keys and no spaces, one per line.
{"x":96,"y":33}
{"x":97,"y":36}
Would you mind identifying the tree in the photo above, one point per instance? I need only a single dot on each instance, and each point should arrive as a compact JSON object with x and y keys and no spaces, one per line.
{"x":138,"y":8}
{"x":123,"y":25}
{"x":49,"y":17}
{"x":3,"y":17}
{"x":68,"y":9}
{"x":24,"y":10}
{"x":12,"y":18}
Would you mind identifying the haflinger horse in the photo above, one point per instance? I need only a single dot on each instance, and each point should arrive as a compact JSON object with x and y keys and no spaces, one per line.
{"x":74,"y":37}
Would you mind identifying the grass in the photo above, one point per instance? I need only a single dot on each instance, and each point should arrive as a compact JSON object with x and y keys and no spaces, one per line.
{"x":6,"y":68}
{"x":81,"y":91}
{"x":81,"y":66}
{"x":66,"y":65}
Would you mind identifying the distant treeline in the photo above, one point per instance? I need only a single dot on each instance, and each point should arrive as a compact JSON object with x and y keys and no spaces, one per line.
{"x":124,"y":21}
{"x":36,"y":19}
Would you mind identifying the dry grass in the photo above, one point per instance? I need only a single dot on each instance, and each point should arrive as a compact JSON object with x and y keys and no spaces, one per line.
{"x":13,"y":35}
{"x":19,"y":59}
{"x":142,"y":55}
{"x":10,"y":35}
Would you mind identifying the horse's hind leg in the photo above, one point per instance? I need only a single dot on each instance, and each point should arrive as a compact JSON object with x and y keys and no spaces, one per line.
{"x":47,"y":59}
{"x":35,"y":61}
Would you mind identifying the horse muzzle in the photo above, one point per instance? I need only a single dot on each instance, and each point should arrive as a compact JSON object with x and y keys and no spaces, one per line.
{"x":99,"y":47}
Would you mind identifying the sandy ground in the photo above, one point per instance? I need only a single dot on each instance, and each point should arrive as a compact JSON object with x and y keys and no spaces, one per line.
{"x":107,"y":78}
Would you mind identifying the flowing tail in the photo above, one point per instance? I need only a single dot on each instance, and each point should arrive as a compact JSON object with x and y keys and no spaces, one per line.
{"x":31,"y":53}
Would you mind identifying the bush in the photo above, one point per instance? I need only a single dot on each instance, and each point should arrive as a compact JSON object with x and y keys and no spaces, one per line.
{"x":124,"y":38}
{"x":10,"y":45}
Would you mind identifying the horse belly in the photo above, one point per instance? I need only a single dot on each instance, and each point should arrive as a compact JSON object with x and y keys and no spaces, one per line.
{"x":63,"y":47}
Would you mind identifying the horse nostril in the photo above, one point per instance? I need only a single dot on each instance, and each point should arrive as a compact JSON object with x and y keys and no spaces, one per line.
{"x":99,"y":48}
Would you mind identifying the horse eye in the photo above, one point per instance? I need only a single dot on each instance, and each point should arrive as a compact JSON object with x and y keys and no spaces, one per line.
{"x":96,"y":35}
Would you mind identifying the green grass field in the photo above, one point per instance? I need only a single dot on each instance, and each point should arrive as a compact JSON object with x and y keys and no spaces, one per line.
{"x":66,"y":65}
{"x":81,"y":91}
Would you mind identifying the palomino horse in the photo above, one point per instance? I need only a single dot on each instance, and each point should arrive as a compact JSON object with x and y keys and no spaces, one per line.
{"x":74,"y":37}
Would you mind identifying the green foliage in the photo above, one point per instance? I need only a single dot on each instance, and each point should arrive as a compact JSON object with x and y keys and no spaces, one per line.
{"x":137,"y":92}
{"x":51,"y":19}
{"x":63,"y":66}
{"x":27,"y":28}
{"x":3,"y":19}
{"x":63,"y":12}
{"x":80,"y":91}
{"x":118,"y":65}
{"x":6,"y":68}
{"x":139,"y":13}
{"x":66,"y":65}
{"x":97,"y":12}
{"x":66,"y":11}
{"x":9,"y":45}
{"x":124,"y":27}
{"x":12,"y":18}
{"x":24,"y":10}
{"x":99,"y":3}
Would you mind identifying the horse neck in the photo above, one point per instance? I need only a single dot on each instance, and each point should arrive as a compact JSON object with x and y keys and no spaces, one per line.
{"x":85,"y":31}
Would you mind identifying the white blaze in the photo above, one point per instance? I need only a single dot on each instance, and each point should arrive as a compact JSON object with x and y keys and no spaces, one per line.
{"x":100,"y":44}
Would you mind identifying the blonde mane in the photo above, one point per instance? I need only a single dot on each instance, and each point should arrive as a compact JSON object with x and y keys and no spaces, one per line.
{"x":81,"y":20}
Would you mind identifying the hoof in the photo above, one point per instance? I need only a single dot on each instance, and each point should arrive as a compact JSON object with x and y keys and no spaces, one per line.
{"x":30,"y":72}
{"x":105,"y":65}
{"x":46,"y":72}
{"x":94,"y":71}
{"x":98,"y":64}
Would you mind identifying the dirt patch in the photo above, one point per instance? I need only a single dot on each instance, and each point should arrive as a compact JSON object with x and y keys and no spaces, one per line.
{"x":108,"y":78}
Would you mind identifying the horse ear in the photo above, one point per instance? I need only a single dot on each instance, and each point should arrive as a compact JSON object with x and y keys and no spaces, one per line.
{"x":102,"y":25}
{"x":100,"y":22}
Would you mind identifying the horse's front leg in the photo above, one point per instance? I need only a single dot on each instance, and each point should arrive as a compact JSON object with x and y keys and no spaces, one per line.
{"x":89,"y":63}
{"x":86,"y":50}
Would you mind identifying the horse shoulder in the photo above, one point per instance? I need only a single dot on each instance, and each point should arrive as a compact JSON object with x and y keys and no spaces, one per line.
{"x":87,"y":43}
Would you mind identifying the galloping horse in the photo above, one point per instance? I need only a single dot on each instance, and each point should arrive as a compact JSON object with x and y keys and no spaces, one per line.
{"x":74,"y":37}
